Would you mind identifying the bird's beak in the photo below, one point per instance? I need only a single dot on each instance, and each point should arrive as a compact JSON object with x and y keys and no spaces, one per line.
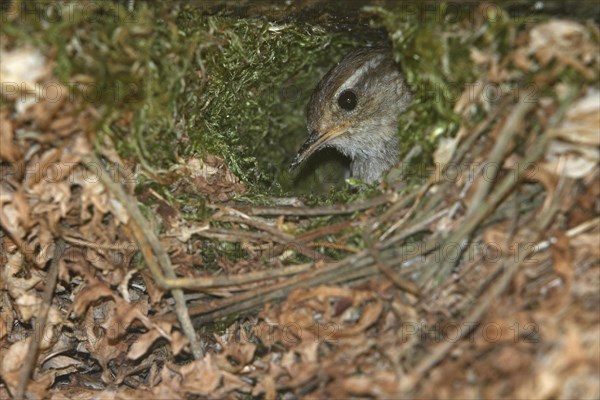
{"x":314,"y":142}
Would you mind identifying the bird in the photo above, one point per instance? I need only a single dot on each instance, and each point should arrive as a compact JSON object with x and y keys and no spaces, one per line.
{"x":355,"y":109}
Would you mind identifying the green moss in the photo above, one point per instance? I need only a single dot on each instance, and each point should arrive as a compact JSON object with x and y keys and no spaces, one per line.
{"x":189,"y":83}
{"x":173,"y":82}
{"x":251,"y":111}
{"x":433,"y":48}
{"x":435,"y":59}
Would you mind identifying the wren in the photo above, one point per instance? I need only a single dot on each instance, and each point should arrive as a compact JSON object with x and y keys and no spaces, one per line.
{"x":355,"y":109}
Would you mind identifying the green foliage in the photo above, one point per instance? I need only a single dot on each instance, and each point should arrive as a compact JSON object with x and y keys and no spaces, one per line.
{"x":170,"y":81}
{"x":435,"y":59}
{"x":176,"y":82}
{"x":258,"y":79}
{"x":433,"y":50}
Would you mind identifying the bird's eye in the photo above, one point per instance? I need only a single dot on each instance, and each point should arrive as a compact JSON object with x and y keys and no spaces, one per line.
{"x":347,"y":100}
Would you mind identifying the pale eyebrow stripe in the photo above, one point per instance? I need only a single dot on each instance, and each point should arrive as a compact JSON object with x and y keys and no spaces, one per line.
{"x":372,"y":63}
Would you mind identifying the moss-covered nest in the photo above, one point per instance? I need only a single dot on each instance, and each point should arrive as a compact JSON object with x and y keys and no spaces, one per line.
{"x":149,"y":221}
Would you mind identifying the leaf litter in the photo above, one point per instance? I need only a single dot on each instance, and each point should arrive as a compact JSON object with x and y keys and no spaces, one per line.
{"x":483,"y":284}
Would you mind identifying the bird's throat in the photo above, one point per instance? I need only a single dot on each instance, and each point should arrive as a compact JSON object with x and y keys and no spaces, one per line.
{"x":371,"y":154}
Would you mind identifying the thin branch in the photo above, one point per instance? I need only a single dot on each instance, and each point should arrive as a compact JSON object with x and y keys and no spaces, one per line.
{"x":441,"y":350}
{"x":34,"y":344}
{"x":338,"y":209}
{"x":402,"y":284}
{"x":479,"y":214}
{"x":236,"y":280}
{"x":151,"y":249}
{"x":505,"y":137}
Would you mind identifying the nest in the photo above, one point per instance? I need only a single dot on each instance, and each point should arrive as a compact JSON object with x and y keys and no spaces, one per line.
{"x":480,"y":280}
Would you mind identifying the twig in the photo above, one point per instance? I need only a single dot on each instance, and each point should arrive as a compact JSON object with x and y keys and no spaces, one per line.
{"x":337,"y":246}
{"x":440,"y":351}
{"x":236,"y":280}
{"x":325,"y":210}
{"x":325,"y":230}
{"x":467,"y":144}
{"x":571,"y":233}
{"x":351,"y":268}
{"x":403,"y":202}
{"x":101,"y":246}
{"x":506,"y":135}
{"x":402,"y":284}
{"x":416,"y":227}
{"x":34,"y":344}
{"x":479,"y":214}
{"x":238,"y":236}
{"x":152,"y":251}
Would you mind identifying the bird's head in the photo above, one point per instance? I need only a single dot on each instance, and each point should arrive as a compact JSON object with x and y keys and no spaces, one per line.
{"x":355,"y":106}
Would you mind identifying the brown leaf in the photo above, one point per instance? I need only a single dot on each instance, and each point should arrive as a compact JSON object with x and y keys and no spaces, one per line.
{"x":62,"y":361}
{"x":562,"y":259}
{"x":383,"y":384}
{"x":236,"y":356}
{"x":89,"y":295}
{"x":370,"y":313}
{"x":145,"y":341}
{"x":213,"y":178}
{"x":13,"y":358}
{"x":201,"y":377}
{"x":576,"y":150}
{"x":9,"y":151}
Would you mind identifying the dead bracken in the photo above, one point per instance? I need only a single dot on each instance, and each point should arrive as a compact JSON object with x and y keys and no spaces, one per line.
{"x":149,"y":228}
